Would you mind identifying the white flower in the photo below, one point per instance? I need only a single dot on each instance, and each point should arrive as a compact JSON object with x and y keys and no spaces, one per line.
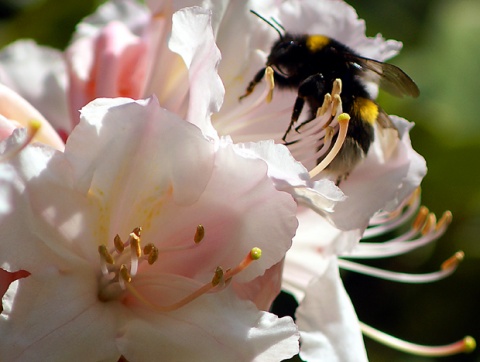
{"x":130,"y":165}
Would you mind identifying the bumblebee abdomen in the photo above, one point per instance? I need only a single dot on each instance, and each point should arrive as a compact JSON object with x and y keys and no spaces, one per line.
{"x":365,"y":109}
{"x":363,"y":113}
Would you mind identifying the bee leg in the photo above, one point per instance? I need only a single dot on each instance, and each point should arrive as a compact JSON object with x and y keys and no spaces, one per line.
{"x":251,"y":86}
{"x":310,"y":90}
{"x":297,"y":109}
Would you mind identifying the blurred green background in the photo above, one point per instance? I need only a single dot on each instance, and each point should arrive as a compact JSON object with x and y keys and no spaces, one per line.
{"x":441,"y":52}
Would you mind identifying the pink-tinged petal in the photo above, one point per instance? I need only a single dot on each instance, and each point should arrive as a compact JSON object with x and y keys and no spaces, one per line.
{"x":111,"y":64}
{"x":380,"y":183}
{"x":121,"y":170}
{"x":222,"y":327}
{"x":55,"y":314}
{"x":241,"y":196}
{"x":263,"y":289}
{"x":315,"y":242}
{"x":192,"y":38}
{"x":38,"y":74}
{"x":417,"y":167}
{"x":130,"y":12}
{"x":16,"y":109}
{"x":328,"y":323}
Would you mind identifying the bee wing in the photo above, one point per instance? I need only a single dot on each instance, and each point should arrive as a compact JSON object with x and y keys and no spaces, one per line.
{"x":390,"y":77}
{"x":384,"y":120}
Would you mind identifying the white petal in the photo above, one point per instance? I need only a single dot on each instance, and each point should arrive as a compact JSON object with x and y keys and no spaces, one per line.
{"x":56,"y":313}
{"x":192,"y":38}
{"x":328,"y":323}
{"x":377,"y":184}
{"x":222,"y":327}
{"x":38,"y":74}
{"x":314,"y":244}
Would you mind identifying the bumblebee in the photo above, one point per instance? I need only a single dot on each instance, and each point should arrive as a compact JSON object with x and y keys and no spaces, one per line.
{"x":309,"y":65}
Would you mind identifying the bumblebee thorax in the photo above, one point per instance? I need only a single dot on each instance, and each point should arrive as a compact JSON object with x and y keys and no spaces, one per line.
{"x":316,"y":43}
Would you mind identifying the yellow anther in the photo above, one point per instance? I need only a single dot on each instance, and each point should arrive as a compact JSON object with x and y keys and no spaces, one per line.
{"x":135,"y":244}
{"x":270,"y":83}
{"x":335,"y":103}
{"x":337,"y":87}
{"x":147,"y":249}
{"x":103,"y":251}
{"x":137,"y":231}
{"x":453,"y":261}
{"x":218,"y":276}
{"x":125,"y":274}
{"x":430,"y":223}
{"x":153,"y":255}
{"x":445,"y":220}
{"x":327,"y":101}
{"x":421,"y":218}
{"x":199,"y":234}
{"x":119,"y":246}
{"x":256,"y":253}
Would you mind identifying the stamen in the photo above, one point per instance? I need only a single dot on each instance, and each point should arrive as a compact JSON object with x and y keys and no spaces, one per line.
{"x":444,"y":221}
{"x":430,"y":224}
{"x":327,"y":101}
{"x":199,"y":234}
{"x":119,"y":246}
{"x":419,"y":221}
{"x":153,"y":255}
{"x":137,"y":231}
{"x":270,"y":82}
{"x":335,"y":103}
{"x":392,"y":220}
{"x":32,"y":130}
{"x":136,"y":252}
{"x":218,"y":280}
{"x":466,"y":345}
{"x":105,"y":255}
{"x":343,"y":120}
{"x":337,"y":87}
{"x":135,"y":244}
{"x":218,"y":276}
{"x":125,"y":276}
{"x":447,"y":268}
{"x":147,"y":249}
{"x":453,"y":261}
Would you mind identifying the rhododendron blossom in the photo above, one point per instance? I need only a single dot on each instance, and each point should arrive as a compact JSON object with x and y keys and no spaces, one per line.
{"x":133,"y":237}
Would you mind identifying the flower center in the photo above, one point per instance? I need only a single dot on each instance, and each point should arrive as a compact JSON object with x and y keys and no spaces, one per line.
{"x":120,"y":265}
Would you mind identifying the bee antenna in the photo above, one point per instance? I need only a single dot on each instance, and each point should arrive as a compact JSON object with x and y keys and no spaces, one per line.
{"x":275,"y":25}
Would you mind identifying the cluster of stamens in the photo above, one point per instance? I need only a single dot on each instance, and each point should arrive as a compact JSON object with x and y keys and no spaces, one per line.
{"x":120,"y":265}
{"x":424,"y":229}
{"x":318,"y":133}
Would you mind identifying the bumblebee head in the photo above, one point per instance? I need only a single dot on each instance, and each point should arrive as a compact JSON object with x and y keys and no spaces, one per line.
{"x":289,"y":54}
